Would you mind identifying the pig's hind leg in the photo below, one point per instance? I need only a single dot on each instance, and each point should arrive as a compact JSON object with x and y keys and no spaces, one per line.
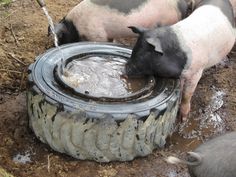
{"x":189,"y":85}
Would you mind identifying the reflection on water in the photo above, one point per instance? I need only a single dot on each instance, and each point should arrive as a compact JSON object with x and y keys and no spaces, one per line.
{"x":208,"y":121}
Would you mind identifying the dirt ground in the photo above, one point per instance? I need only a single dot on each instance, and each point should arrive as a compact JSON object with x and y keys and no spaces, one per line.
{"x":23,"y":31}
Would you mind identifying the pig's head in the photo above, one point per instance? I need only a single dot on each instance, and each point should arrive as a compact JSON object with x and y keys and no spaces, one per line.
{"x":155,"y":53}
{"x":66,"y":32}
{"x":143,"y":54}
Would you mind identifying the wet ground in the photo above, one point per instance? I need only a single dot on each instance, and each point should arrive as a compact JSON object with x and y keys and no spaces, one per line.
{"x":23,"y":30}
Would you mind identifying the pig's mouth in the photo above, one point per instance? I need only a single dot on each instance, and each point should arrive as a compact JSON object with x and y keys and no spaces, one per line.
{"x":131,"y":71}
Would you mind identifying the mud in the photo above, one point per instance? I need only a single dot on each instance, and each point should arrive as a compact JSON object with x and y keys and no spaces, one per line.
{"x":213,"y":106}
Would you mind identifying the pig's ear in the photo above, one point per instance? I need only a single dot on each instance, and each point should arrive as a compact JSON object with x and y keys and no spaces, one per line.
{"x":138,"y":30}
{"x":156,"y":43}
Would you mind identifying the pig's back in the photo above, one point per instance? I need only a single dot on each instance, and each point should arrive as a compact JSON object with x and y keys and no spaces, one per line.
{"x":95,"y":14}
{"x":219,"y":157}
{"x":206,"y":35}
{"x":225,"y":6}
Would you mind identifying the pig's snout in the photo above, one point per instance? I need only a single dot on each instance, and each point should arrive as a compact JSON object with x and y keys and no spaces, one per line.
{"x":130,"y":70}
{"x":136,"y":70}
{"x":127,"y":70}
{"x":123,"y":73}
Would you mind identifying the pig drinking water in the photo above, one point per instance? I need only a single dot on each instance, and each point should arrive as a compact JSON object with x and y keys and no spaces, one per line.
{"x":104,"y":20}
{"x":215,"y":158}
{"x":186,"y":48}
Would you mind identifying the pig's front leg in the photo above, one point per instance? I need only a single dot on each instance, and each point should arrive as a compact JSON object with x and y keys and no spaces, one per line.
{"x":189,"y":85}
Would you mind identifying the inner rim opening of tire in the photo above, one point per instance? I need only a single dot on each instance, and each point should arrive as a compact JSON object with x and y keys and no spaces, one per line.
{"x":99,"y":76}
{"x":45,"y":78}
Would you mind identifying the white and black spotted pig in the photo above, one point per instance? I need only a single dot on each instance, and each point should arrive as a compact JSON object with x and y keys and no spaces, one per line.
{"x":214,"y":158}
{"x":186,"y":48}
{"x":104,"y":20}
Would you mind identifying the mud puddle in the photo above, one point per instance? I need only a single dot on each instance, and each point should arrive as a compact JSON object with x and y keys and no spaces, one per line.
{"x":209,"y":122}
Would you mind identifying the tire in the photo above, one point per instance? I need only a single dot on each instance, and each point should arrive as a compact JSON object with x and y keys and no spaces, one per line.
{"x":100,"y":131}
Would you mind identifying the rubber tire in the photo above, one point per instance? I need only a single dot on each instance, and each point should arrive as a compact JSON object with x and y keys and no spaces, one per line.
{"x":78,"y":134}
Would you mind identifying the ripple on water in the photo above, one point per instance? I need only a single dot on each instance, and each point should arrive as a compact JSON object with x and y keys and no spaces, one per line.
{"x":102,"y":77}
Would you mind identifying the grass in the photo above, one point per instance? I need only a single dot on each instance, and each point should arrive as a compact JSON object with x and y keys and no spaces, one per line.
{"x":3,"y":173}
{"x":5,"y":2}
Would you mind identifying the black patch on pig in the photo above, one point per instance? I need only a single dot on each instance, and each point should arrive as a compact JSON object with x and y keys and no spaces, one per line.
{"x":146,"y":60}
{"x":174,"y":56}
{"x":224,"y":5}
{"x":218,"y":157}
{"x":124,"y":6}
{"x":183,"y":8}
{"x":66,"y":32}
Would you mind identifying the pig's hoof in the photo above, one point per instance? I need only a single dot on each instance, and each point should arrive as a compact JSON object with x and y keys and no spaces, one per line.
{"x":184,"y":119}
{"x":97,"y":130}
{"x":181,"y":118}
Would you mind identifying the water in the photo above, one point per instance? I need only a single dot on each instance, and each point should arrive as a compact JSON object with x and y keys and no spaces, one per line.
{"x":211,"y":113}
{"x":208,"y":121}
{"x":51,"y":24}
{"x":22,"y":158}
{"x":101,"y":76}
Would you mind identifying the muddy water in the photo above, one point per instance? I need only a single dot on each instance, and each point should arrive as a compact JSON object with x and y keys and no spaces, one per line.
{"x":205,"y":123}
{"x":101,"y":77}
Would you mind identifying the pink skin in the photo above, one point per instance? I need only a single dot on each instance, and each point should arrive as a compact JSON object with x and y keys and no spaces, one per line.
{"x":100,"y":23}
{"x":206,"y":41}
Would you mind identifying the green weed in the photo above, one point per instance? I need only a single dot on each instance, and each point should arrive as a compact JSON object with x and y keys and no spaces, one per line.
{"x":5,"y":2}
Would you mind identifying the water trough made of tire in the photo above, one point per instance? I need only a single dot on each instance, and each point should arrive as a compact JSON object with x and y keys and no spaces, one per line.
{"x":90,"y":112}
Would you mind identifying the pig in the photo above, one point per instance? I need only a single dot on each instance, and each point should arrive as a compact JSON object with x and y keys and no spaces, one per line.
{"x":185,"y":49}
{"x":233,"y":2}
{"x":215,"y":158}
{"x":105,"y":20}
